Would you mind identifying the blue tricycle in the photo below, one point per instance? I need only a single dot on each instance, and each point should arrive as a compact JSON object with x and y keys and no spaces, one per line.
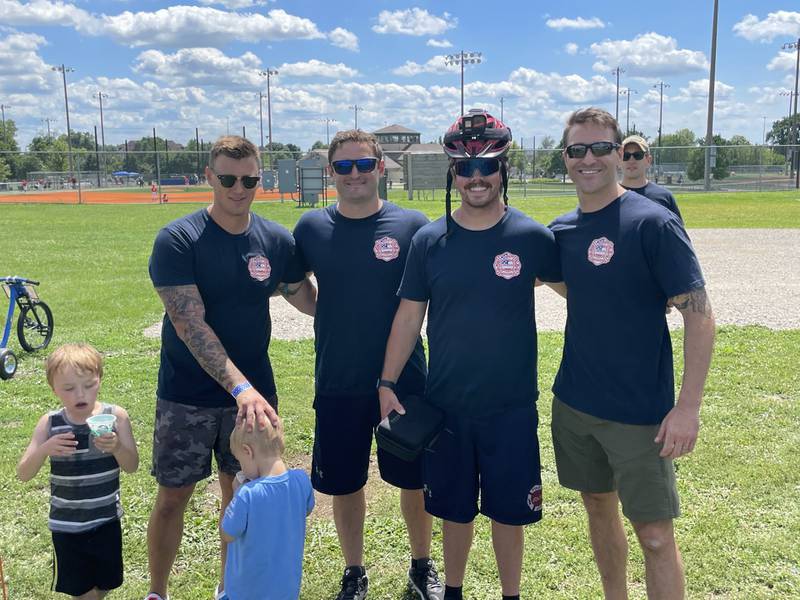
{"x":34,"y":326}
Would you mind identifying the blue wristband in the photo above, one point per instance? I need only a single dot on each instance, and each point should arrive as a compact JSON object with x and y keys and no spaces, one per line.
{"x":240,"y":388}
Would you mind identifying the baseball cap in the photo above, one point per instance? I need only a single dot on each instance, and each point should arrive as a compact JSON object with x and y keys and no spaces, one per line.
{"x":638,"y":140}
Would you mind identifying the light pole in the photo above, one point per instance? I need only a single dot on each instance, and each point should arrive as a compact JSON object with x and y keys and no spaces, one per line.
{"x":462,"y":58}
{"x":711,"y":85}
{"x":328,"y":121}
{"x":64,"y":70}
{"x":269,"y":73}
{"x":795,"y":124}
{"x":261,"y":118}
{"x":501,"y":109}
{"x":355,"y":108}
{"x":48,"y":120}
{"x":627,"y":92}
{"x":100,"y":96}
{"x":3,"y":108}
{"x":660,"y":85}
{"x":616,"y":72}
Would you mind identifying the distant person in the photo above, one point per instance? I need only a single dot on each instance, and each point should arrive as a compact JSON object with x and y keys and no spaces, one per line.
{"x":154,"y":191}
{"x":636,"y":159}
{"x":214,"y":270}
{"x":85,"y":508}
{"x":265,"y":522}
{"x":617,"y":427}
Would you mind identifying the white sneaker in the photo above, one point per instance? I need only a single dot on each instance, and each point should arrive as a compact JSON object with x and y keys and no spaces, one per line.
{"x":154,"y":596}
{"x":219,"y":595}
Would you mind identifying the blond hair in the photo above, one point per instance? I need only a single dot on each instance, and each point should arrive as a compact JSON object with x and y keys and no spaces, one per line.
{"x":357,"y":136}
{"x":595,"y":116}
{"x":233,"y":146}
{"x":267,"y":443}
{"x":81,"y":357}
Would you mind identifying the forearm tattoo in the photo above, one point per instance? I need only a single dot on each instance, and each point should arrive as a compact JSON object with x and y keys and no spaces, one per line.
{"x":287,"y":290}
{"x":696,"y":301}
{"x":187,"y":312}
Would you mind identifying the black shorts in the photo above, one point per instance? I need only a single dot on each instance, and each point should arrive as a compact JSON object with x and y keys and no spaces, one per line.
{"x":88,"y":560}
{"x":343,"y":435}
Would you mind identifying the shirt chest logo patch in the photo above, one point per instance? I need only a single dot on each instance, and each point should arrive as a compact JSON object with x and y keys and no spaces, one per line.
{"x":600,"y":251}
{"x":386,"y":249}
{"x":507,"y":265}
{"x":259,"y":268}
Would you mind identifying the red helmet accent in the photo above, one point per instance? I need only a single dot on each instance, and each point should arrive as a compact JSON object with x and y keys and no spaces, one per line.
{"x":477,"y":134}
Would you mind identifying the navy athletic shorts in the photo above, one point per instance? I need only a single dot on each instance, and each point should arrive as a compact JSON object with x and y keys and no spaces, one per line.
{"x":88,"y":560}
{"x":342,"y":444}
{"x":494,"y":459}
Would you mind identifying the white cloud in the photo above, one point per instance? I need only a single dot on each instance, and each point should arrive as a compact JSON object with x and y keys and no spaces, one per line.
{"x":22,"y":69}
{"x":317,"y":68}
{"x":571,"y":48}
{"x":785,"y":61}
{"x":648,"y":54}
{"x":42,"y":12}
{"x":781,"y":23}
{"x":572,"y":89}
{"x":342,"y":38}
{"x":235,"y":4}
{"x":413,"y":21}
{"x":200,"y":67}
{"x":438,"y":43}
{"x":698,"y":89}
{"x":577,"y":23}
{"x":435,"y":65}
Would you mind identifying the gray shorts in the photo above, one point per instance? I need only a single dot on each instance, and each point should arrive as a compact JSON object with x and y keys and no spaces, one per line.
{"x":184,"y":438}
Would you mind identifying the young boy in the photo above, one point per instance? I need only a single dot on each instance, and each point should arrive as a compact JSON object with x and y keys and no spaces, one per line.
{"x":85,"y":505}
{"x":265,"y":523}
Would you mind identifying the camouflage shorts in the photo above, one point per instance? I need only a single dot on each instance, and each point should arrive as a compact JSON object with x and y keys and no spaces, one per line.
{"x":184,"y":438}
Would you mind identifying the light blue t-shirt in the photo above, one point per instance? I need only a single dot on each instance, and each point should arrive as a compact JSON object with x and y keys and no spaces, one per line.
{"x":267,"y":517}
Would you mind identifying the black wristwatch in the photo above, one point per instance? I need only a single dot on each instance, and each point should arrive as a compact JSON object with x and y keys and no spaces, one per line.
{"x":392,"y":385}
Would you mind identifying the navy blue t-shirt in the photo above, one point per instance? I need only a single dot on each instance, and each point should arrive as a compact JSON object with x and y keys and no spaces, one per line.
{"x":358,"y":264}
{"x":481,"y":327}
{"x":621,"y":264}
{"x":659,"y":194}
{"x":235,"y":274}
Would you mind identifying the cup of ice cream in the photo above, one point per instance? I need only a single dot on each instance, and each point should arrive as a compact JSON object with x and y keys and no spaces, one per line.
{"x":101,"y":424}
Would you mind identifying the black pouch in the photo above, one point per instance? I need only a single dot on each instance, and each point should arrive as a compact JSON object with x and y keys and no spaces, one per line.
{"x":406,"y":436}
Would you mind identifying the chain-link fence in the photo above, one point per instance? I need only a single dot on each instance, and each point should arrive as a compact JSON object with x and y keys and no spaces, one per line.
{"x":163,"y":175}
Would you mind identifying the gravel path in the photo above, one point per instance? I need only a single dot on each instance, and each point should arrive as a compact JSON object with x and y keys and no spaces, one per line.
{"x":752,"y":276}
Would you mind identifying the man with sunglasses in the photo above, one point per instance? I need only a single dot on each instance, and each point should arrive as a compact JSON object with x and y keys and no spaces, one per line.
{"x":474,"y":271}
{"x":214,"y":270}
{"x":636,"y":159}
{"x":357,"y":250}
{"x":616,"y":426}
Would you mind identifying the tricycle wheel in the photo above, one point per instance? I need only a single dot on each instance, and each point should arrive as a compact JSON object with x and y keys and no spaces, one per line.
{"x":8,"y":364}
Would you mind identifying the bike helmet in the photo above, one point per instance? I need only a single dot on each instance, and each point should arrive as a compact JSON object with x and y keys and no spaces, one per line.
{"x":477,"y":134}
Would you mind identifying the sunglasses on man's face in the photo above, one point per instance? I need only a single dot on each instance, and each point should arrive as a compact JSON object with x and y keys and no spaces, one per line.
{"x":597,"y":148}
{"x":228,"y":181}
{"x":638,"y":155}
{"x":485,"y":166}
{"x":364,"y":165}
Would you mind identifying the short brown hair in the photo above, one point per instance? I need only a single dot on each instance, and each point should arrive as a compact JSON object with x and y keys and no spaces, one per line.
{"x":81,"y":357}
{"x":268,"y":442}
{"x":233,"y":146}
{"x":357,"y":136}
{"x":596,"y":116}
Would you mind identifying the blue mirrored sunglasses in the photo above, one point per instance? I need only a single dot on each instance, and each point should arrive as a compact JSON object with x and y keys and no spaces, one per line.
{"x":364,"y":165}
{"x":485,"y":166}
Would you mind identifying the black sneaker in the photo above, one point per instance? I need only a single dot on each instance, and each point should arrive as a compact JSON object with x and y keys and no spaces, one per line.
{"x":424,"y":580}
{"x":354,"y":584}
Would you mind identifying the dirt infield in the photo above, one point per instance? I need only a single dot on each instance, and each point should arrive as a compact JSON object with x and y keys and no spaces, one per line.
{"x":91,"y":196}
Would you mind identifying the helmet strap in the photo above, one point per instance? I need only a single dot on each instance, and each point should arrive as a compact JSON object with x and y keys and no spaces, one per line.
{"x":447,"y":201}
{"x":504,"y":176}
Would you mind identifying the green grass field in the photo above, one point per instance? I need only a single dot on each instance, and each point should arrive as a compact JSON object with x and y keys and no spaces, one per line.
{"x":741,"y":524}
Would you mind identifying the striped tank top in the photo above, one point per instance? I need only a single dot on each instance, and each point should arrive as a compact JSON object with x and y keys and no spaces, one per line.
{"x":84,"y":487}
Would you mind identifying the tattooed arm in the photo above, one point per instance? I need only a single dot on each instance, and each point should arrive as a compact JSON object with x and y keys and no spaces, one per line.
{"x":187,"y":312}
{"x":679,"y":429}
{"x":302,"y":295}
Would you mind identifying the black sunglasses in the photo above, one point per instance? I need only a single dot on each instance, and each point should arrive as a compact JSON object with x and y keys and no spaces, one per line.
{"x":364,"y":165}
{"x":638,"y":155}
{"x":228,"y":181}
{"x":597,"y":148}
{"x":485,"y":166}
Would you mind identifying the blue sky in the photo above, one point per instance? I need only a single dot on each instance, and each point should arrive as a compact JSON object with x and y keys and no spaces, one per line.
{"x":180,"y":66}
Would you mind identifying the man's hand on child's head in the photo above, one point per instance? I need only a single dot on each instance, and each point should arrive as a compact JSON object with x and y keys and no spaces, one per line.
{"x":107,"y":442}
{"x":61,"y":444}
